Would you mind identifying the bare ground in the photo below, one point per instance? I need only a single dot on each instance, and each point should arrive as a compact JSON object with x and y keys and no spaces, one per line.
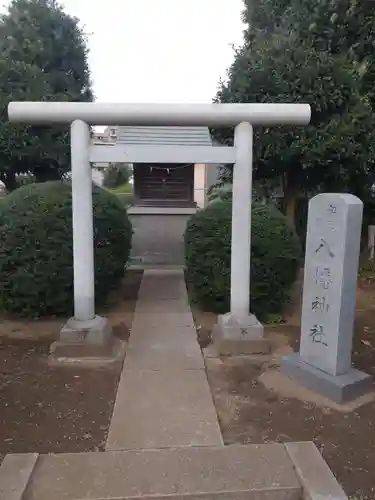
{"x":51,"y":409}
{"x":250,"y":413}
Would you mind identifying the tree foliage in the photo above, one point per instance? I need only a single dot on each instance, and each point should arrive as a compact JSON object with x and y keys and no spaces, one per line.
{"x":19,"y":81}
{"x":339,"y":26}
{"x":43,"y":56}
{"x":301,"y":51}
{"x":116,"y":175}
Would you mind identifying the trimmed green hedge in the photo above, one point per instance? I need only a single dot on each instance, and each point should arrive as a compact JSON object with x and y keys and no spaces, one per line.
{"x":36,"y":248}
{"x":276,"y":254}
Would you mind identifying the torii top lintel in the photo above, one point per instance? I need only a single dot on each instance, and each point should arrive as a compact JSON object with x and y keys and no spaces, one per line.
{"x":211,"y":115}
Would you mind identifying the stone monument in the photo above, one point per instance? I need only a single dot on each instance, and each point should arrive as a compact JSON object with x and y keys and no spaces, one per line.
{"x":329,"y":298}
{"x":371,"y":242}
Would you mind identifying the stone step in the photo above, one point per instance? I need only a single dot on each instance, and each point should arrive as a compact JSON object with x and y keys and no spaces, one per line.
{"x":293,"y":471}
{"x":252,"y":472}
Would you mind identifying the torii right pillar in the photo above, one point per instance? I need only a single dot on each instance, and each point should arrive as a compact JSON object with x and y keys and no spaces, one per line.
{"x":239,"y":331}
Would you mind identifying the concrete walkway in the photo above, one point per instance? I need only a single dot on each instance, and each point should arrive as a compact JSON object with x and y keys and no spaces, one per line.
{"x":164,"y":440}
{"x":163,"y":398}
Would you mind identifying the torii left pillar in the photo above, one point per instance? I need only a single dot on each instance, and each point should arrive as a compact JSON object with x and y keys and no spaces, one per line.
{"x":85,"y":332}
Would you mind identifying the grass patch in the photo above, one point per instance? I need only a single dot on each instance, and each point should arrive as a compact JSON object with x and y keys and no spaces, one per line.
{"x":123,"y":189}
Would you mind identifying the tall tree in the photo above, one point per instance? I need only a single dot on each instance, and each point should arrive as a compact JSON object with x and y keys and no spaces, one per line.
{"x":263,"y":16}
{"x":286,"y":58}
{"x":336,"y":150}
{"x":42,"y":45}
{"x":337,"y":26}
{"x":19,"y":81}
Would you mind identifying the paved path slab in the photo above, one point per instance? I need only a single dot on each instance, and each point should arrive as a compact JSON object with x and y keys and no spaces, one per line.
{"x":174,"y":321}
{"x":162,"y":409}
{"x":163,"y":398}
{"x":162,"y":284}
{"x":15,"y":473}
{"x":160,"y":307}
{"x":178,"y":352}
{"x":262,"y":472}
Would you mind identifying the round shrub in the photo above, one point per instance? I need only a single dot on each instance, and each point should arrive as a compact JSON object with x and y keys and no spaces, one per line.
{"x":36,"y":248}
{"x":275,"y":258}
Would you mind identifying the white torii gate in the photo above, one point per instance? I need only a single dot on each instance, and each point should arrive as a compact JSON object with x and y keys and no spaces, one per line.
{"x":82,"y":115}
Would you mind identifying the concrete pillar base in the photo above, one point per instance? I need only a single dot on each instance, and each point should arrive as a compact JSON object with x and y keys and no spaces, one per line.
{"x":235,"y":336}
{"x":92,"y":338}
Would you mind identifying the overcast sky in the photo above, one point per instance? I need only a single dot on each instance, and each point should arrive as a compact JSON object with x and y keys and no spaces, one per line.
{"x":159,"y":50}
